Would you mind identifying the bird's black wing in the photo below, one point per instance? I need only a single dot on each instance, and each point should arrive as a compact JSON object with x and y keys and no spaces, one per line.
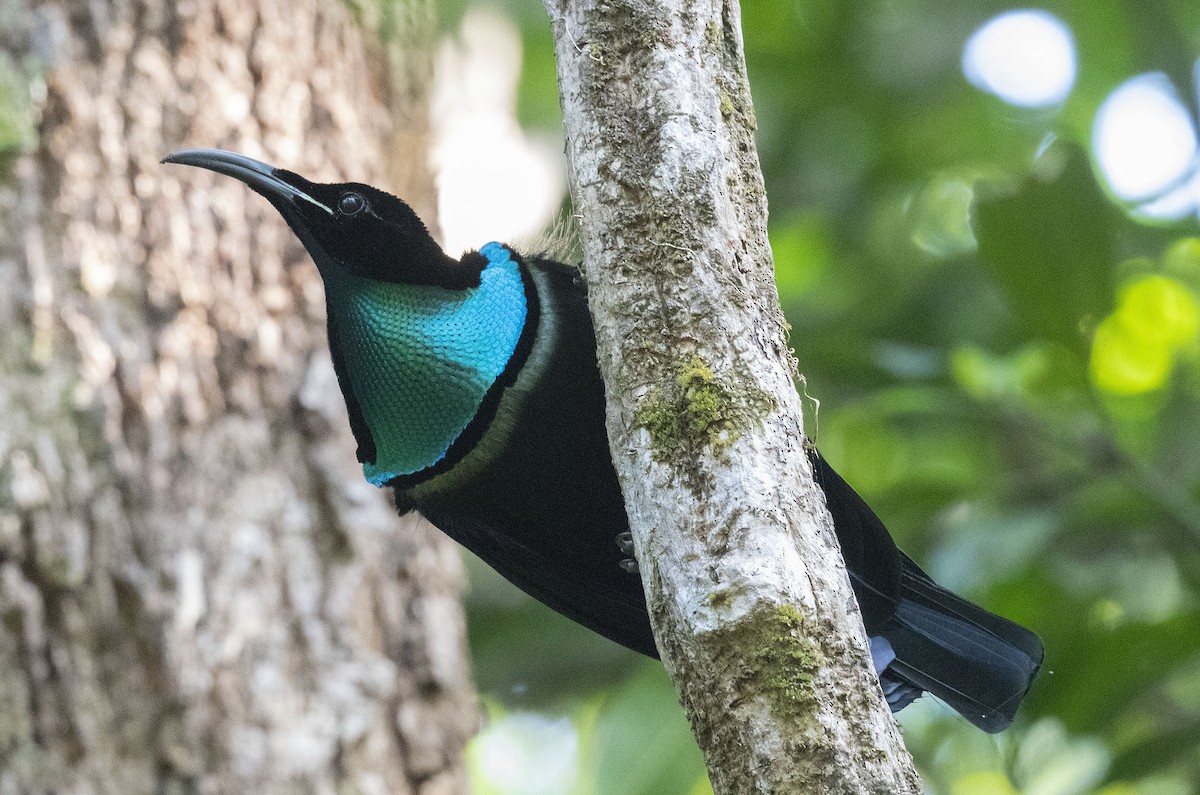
{"x":598,"y":595}
{"x":871,"y":556}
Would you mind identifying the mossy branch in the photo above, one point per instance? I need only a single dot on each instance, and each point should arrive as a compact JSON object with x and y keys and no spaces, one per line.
{"x":752,"y":609}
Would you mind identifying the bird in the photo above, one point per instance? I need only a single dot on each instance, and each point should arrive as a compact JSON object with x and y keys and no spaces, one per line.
{"x":473,"y":392}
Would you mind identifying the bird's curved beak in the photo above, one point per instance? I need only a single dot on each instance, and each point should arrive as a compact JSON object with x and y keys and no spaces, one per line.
{"x":263,"y":179}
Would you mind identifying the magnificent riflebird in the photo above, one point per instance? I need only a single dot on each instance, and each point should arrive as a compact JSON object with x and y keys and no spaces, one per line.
{"x":473,"y":392}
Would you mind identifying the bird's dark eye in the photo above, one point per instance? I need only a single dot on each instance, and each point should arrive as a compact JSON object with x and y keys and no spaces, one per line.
{"x":350,"y":204}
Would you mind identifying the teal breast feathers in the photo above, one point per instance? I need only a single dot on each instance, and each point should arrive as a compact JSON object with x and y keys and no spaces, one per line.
{"x":421,"y":358}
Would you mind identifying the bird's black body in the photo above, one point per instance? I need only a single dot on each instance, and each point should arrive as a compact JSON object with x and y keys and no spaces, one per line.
{"x":558,"y":546}
{"x":525,"y":480}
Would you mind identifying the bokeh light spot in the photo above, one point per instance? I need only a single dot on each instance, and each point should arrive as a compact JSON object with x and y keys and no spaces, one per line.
{"x":1125,"y":364}
{"x":1160,"y":308}
{"x":1026,"y":58}
{"x":495,"y":181}
{"x":943,"y":218}
{"x":1144,"y":138}
{"x":524,"y":753}
{"x":984,"y":782}
{"x":1134,"y":347}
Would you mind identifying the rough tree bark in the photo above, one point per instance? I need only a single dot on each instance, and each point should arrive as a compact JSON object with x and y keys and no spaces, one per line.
{"x":198,"y":591}
{"x":750,"y":601}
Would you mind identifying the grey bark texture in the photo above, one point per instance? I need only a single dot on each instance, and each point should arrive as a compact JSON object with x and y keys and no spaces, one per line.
{"x":198,"y":591}
{"x":749,"y":597}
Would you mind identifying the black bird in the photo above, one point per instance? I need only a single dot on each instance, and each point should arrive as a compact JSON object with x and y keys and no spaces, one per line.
{"x":473,"y":391}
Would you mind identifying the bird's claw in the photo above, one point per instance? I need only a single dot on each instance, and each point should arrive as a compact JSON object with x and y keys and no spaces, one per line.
{"x":625,"y":544}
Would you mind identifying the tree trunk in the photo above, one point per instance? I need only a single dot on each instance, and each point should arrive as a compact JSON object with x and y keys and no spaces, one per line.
{"x":750,"y":601}
{"x":198,"y":590}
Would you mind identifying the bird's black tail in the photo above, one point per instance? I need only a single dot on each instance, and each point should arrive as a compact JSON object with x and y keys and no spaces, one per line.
{"x":977,"y":662}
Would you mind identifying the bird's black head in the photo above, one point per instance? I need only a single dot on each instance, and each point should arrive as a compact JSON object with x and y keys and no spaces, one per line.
{"x":352,"y":226}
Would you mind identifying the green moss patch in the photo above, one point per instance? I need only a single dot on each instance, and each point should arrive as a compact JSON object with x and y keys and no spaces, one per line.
{"x":696,"y":413}
{"x":789,"y":657}
{"x":726,"y":104}
{"x":693,"y":414}
{"x":781,"y":660}
{"x":719,"y":600}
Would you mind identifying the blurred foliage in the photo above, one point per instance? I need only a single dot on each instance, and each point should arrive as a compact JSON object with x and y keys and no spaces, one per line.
{"x":1007,"y":366}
